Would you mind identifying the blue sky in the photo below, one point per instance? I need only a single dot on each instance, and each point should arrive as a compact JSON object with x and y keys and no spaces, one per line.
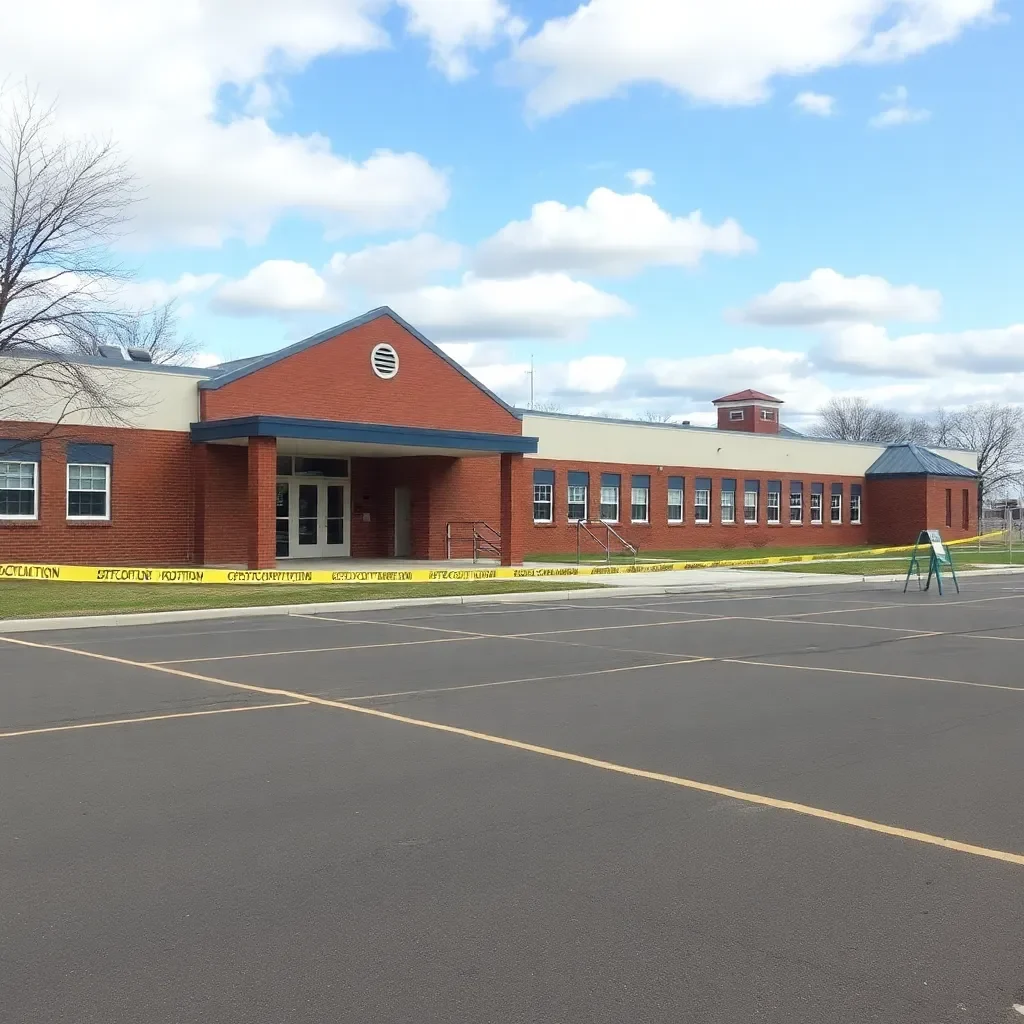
{"x":836,"y":253}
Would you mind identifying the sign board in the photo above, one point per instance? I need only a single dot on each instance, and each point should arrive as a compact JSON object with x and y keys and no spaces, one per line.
{"x":938,"y":556}
{"x":938,"y":548}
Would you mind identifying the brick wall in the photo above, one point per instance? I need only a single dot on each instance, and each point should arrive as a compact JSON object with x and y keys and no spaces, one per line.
{"x":151,"y":505}
{"x":334,"y":381}
{"x":442,"y":490}
{"x":903,"y":507}
{"x":660,"y":535}
{"x":752,"y":423}
{"x":222,"y":481}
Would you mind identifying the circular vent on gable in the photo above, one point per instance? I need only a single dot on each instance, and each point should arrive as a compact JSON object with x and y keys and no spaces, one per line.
{"x":384,"y":360}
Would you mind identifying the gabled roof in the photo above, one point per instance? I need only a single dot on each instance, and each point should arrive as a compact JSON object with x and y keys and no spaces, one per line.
{"x":230,"y":372}
{"x":913,"y":460}
{"x":748,"y":396}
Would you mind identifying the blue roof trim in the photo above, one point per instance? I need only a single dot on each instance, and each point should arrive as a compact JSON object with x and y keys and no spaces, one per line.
{"x":360,"y":433}
{"x":909,"y":460}
{"x":260,"y":362}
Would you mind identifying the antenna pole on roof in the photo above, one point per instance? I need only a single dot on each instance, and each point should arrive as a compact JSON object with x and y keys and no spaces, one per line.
{"x":531,"y":380}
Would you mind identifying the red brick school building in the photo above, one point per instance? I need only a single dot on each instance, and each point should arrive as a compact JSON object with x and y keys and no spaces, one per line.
{"x":367,"y":441}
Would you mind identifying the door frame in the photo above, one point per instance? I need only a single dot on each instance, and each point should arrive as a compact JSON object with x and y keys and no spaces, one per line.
{"x":322,"y":548}
{"x":407,"y":491}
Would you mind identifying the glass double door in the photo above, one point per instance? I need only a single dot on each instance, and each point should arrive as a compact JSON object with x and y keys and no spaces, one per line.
{"x":312,"y":518}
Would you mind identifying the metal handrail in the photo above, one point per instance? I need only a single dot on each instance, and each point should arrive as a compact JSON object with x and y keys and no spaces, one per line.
{"x":482,"y":543}
{"x":583,"y":527}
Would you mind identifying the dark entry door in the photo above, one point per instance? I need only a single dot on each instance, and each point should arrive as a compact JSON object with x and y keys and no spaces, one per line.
{"x":403,"y":522}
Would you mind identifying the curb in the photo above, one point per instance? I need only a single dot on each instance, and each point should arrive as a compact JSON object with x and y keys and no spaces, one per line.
{"x":384,"y":604}
{"x":608,"y":592}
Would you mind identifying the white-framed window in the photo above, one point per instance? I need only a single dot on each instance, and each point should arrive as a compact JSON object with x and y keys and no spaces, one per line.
{"x":576,"y":500}
{"x":609,"y":503}
{"x":855,"y":501}
{"x":774,"y":507}
{"x":639,"y":504}
{"x":676,"y":496}
{"x":702,"y":505}
{"x":767,"y":414}
{"x":749,"y":505}
{"x":728,"y":505}
{"x":837,"y":508}
{"x":735,"y":414}
{"x":88,"y":491}
{"x":542,"y":496}
{"x":796,"y":506}
{"x":815,"y":509}
{"x":19,"y":490}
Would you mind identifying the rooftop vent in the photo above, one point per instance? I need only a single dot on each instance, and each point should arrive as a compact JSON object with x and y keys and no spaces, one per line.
{"x":140,"y":355}
{"x":384,"y":360}
{"x":113,"y":352}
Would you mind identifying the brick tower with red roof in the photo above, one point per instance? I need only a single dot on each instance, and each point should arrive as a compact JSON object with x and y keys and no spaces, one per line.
{"x":753,"y":412}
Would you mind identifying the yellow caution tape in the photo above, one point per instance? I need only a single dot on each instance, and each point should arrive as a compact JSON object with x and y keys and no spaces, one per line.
{"x":292,"y":577}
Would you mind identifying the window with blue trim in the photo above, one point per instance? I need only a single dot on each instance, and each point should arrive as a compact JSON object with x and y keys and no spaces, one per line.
{"x":640,"y":500}
{"x":676,"y":498}
{"x":774,"y":506}
{"x":837,"y":503}
{"x":543,"y":495}
{"x":610,"y":484}
{"x":796,"y":502}
{"x":576,"y":498}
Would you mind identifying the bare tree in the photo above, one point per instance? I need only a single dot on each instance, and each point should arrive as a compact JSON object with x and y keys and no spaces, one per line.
{"x":855,"y":419}
{"x":154,"y":331}
{"x":996,"y":433}
{"x":651,"y":416}
{"x":61,"y":204}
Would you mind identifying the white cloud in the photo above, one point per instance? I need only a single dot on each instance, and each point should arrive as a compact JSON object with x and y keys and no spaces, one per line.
{"x":594,"y":375}
{"x":395,"y":267}
{"x":726,"y":52}
{"x":816,"y":103}
{"x":898,"y":110}
{"x":829,"y":297}
{"x":453,"y":26}
{"x":153,"y":76}
{"x":537,"y":306}
{"x":275,"y":286}
{"x":154,"y":292}
{"x":611,"y":234}
{"x":864,"y":349}
{"x":641,"y":177}
{"x":203,"y":360}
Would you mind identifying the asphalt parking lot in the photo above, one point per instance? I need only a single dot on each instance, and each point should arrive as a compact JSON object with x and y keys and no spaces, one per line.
{"x":778,"y":807}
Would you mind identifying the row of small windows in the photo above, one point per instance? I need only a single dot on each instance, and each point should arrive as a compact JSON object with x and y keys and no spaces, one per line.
{"x":87,"y":480}
{"x":578,"y":486}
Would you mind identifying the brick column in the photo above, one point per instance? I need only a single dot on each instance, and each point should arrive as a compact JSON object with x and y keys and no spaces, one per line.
{"x":513,"y":504}
{"x":261,"y":522}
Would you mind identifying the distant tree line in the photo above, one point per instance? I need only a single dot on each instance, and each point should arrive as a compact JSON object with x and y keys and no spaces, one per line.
{"x":995,"y":431}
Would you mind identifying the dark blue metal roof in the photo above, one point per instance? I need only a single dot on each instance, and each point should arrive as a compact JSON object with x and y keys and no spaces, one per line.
{"x":913,"y":460}
{"x":360,"y":433}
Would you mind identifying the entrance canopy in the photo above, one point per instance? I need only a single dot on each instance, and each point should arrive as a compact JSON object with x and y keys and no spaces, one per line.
{"x":362,"y":439}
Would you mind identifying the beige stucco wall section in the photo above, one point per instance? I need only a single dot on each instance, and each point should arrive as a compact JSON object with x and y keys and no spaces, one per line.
{"x":571,"y":439}
{"x":144,"y":398}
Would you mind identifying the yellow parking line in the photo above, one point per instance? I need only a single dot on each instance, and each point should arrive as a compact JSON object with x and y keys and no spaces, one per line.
{"x":149,"y":718}
{"x":317,"y":650}
{"x":864,"y":672}
{"x":758,"y":799}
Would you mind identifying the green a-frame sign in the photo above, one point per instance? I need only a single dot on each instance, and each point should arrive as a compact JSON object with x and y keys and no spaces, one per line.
{"x":939,"y":556}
